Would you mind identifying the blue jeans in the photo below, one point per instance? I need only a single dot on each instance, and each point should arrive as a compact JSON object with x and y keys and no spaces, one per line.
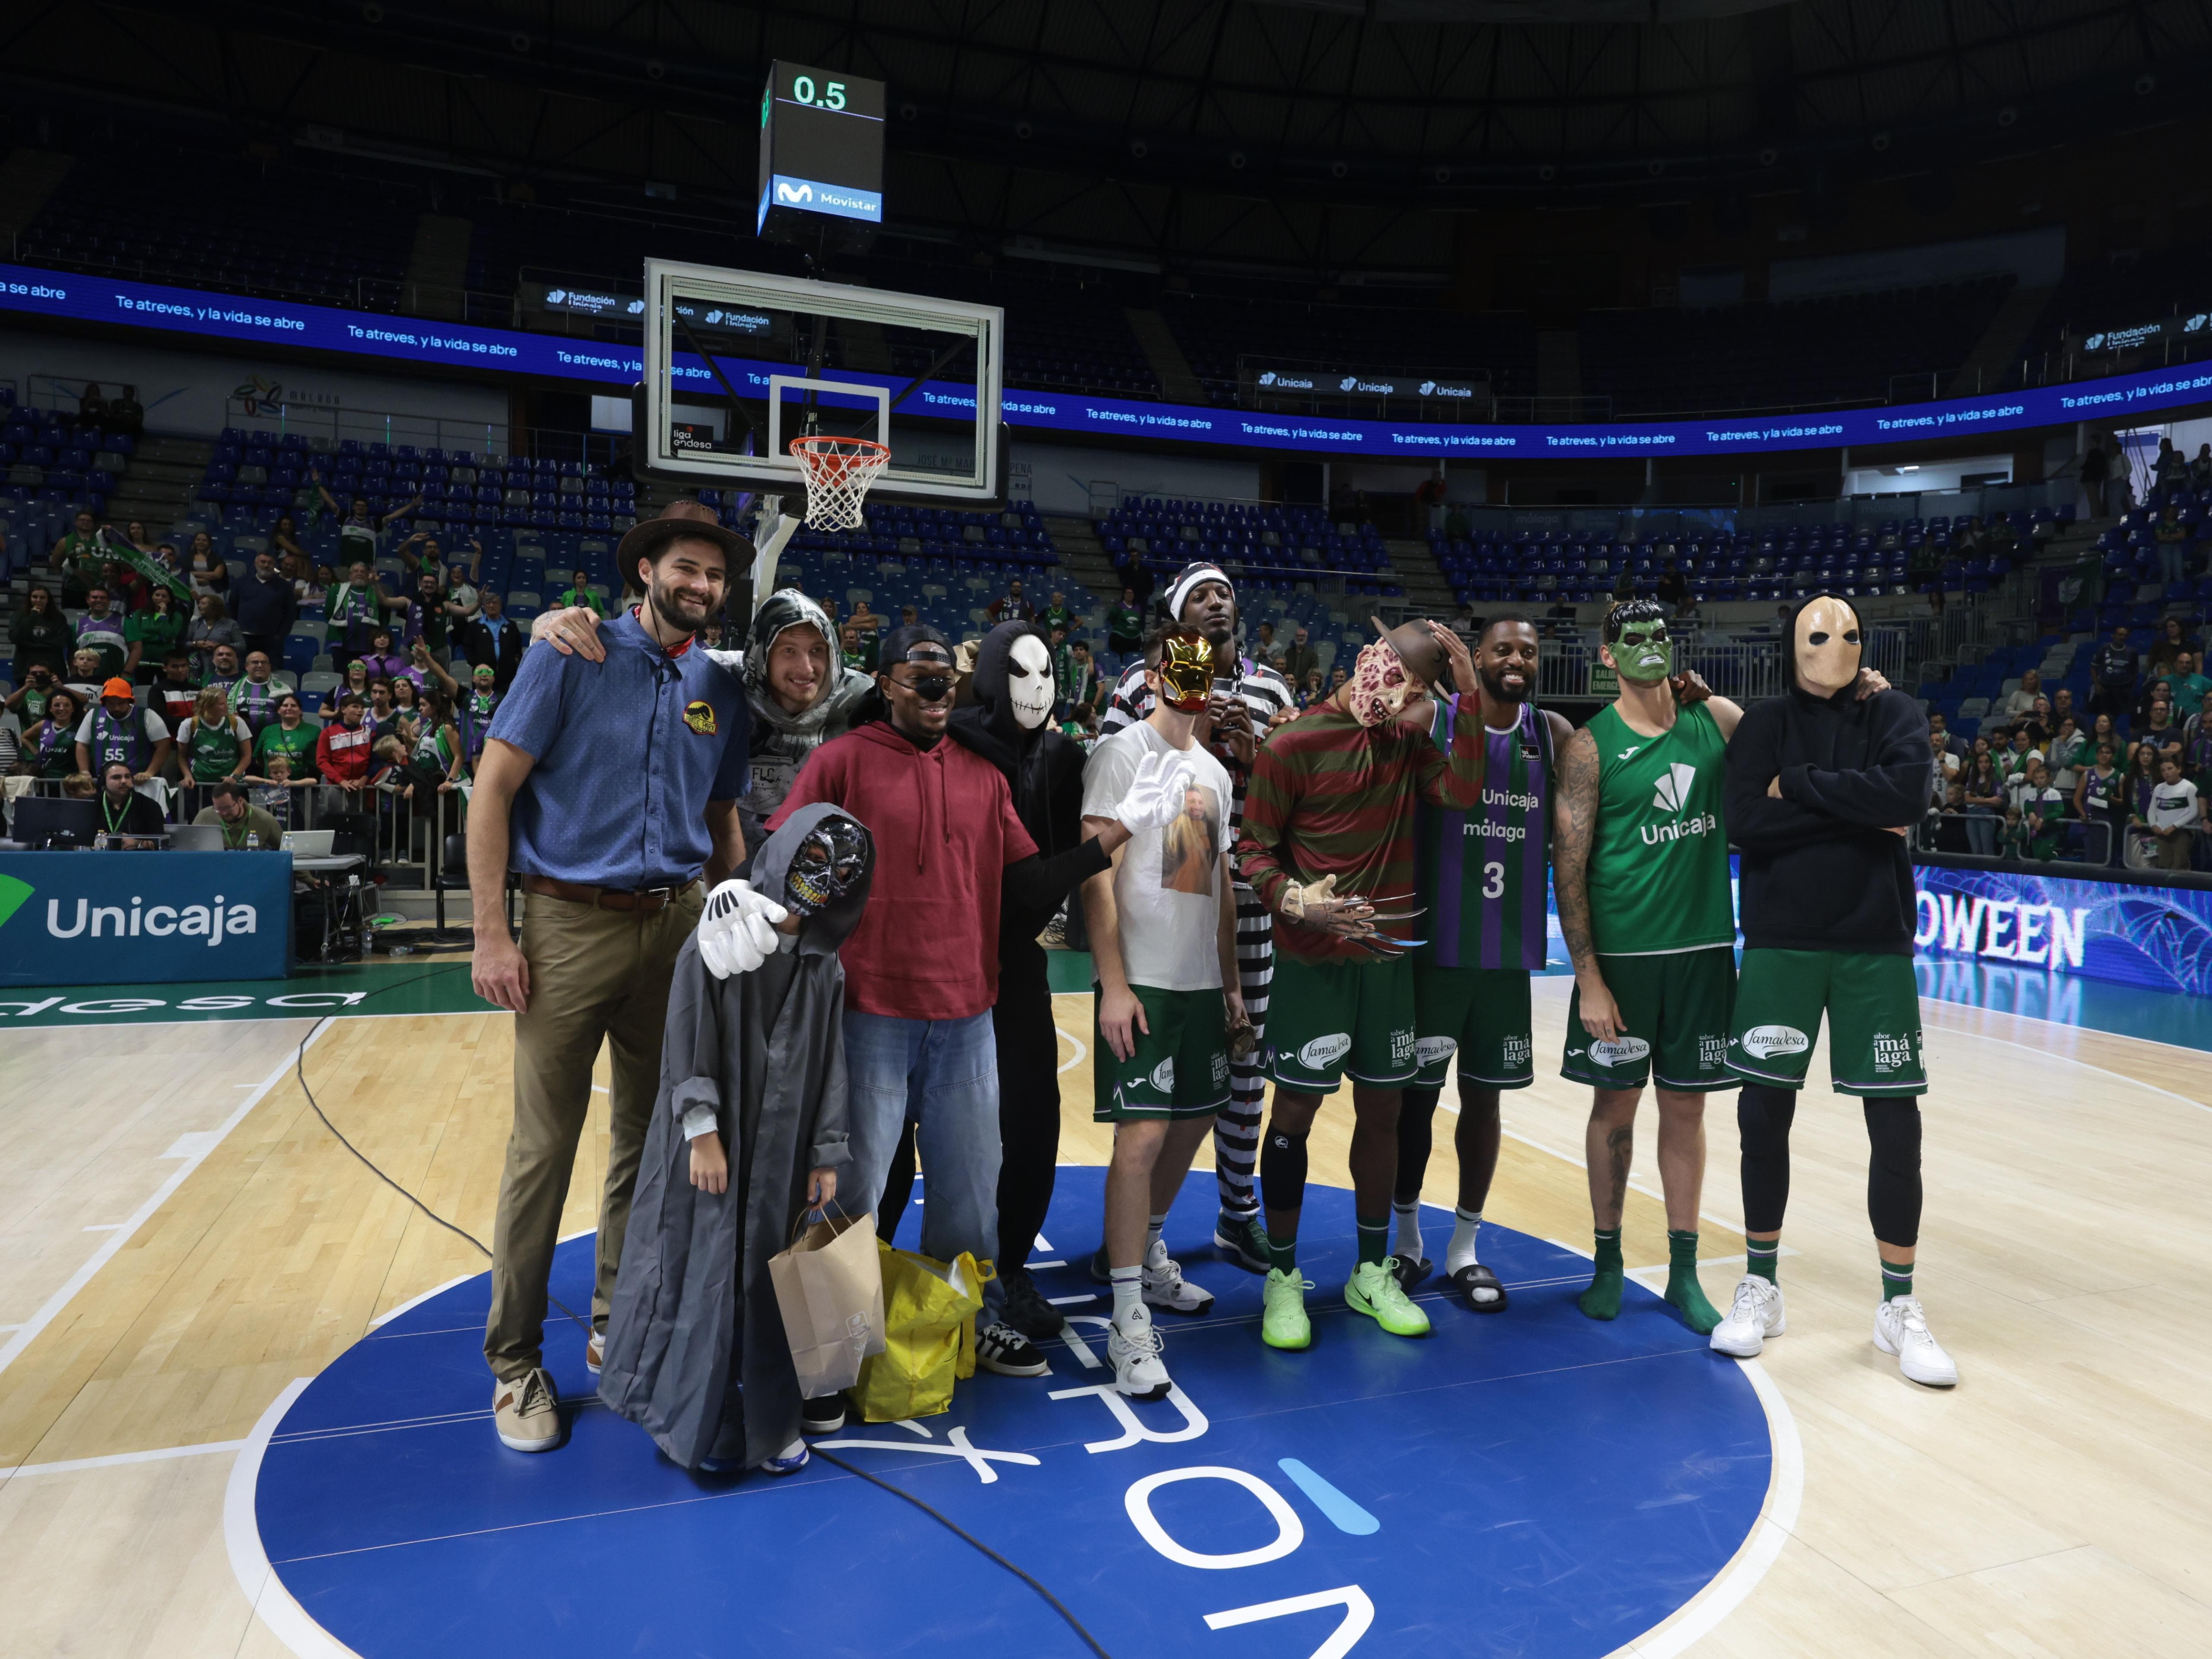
{"x":944,"y":1074}
{"x":1982,"y":831}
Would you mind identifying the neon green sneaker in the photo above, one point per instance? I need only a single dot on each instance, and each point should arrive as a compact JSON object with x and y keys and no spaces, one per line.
{"x":1284,"y":1324}
{"x":1373,"y":1290}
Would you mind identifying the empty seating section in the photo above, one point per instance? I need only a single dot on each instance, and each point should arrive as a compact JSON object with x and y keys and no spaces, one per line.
{"x":1267,"y":549}
{"x":45,"y":457}
{"x":1847,"y":349}
{"x":1896,"y":556}
{"x":949,"y":566}
{"x":255,"y":476}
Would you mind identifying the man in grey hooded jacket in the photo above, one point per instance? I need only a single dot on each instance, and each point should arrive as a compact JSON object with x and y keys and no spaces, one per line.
{"x":749,"y":1130}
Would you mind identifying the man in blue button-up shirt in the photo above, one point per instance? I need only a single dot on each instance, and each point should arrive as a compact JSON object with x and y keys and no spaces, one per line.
{"x":609,"y":786}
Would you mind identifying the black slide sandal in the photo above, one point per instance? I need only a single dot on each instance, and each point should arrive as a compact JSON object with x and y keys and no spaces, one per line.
{"x":1477,"y":1277}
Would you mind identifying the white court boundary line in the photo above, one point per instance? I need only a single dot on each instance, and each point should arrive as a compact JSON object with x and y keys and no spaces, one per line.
{"x":116,"y":1460}
{"x":1702,"y":1613}
{"x":272,"y":1604}
{"x":51,"y":1309}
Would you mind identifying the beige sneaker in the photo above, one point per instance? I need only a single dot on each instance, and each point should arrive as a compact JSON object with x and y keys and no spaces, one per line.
{"x":595,"y":1352}
{"x":527,"y":1412}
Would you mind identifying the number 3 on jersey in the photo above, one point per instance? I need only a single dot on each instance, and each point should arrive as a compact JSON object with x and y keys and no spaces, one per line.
{"x":1493,"y":878}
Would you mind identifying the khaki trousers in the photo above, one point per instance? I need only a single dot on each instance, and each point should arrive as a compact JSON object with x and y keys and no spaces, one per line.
{"x":595,"y":975}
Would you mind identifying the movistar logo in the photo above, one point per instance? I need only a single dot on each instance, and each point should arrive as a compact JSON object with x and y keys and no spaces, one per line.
{"x":1674,"y":790}
{"x":785,"y":192}
{"x":13,"y":895}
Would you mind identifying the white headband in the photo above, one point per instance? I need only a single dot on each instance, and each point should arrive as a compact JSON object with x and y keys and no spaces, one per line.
{"x":1192,"y":576}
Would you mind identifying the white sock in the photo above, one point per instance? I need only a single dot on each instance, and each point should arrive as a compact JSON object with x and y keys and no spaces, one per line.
{"x":1152,"y":1231}
{"x":1128,"y":1284}
{"x":1460,"y":1253}
{"x":1409,"y":1230}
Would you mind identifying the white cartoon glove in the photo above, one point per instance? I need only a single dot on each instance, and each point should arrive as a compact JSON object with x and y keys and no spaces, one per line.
{"x":737,"y":930}
{"x":1155,"y":797}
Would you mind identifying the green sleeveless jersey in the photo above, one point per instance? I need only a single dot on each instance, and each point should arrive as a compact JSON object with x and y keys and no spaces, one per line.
{"x":214,"y":751}
{"x":1658,"y":866}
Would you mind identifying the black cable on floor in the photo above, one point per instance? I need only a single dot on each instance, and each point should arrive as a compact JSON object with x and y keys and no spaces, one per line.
{"x":966,"y":1537}
{"x":300,"y":1070}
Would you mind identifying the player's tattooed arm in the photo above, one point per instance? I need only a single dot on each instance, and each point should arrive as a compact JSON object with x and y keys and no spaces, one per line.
{"x":1575,"y":822}
{"x":1574,"y":828}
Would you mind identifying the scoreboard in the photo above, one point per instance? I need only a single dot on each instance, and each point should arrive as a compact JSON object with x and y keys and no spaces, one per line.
{"x":821,"y":150}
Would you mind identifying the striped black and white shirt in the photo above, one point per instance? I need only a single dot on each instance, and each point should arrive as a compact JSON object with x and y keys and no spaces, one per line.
{"x":1265,"y":692}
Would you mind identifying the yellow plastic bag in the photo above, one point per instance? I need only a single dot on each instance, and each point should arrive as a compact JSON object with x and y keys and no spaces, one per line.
{"x":929,"y":1336}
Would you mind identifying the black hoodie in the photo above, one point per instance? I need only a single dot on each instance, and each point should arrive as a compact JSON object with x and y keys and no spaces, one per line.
{"x":1822,"y":867}
{"x":1042,"y":768}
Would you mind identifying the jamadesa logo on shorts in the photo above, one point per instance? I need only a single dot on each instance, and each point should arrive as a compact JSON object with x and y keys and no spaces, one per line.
{"x":1623,"y":1050}
{"x":1324,"y":1051}
{"x":1430,"y":1050}
{"x":1163,"y":1075}
{"x":1765,"y":1041}
{"x":1672,"y":794}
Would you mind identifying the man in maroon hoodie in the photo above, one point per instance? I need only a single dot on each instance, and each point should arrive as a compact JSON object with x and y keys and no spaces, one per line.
{"x":921,"y":968}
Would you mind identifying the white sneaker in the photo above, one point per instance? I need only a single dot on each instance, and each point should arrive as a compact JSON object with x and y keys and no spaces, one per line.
{"x":1139,"y":1371}
{"x":1901,"y":1328}
{"x":1165,"y":1286}
{"x":1756,"y":1314}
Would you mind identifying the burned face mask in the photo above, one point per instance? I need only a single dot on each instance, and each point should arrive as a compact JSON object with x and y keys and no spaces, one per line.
{"x":1379,"y":687}
{"x":833,"y":861}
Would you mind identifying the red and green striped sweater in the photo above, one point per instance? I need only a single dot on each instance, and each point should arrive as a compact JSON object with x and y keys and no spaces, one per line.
{"x":1329,"y":796}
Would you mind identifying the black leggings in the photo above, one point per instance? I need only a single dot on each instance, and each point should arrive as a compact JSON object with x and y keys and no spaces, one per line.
{"x":1029,"y":1103}
{"x":1764,"y":1115}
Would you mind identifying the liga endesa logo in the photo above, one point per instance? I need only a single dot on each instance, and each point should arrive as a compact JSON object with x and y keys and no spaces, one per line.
{"x":210,"y":919}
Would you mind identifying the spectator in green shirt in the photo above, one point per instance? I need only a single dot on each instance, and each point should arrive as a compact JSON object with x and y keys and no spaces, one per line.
{"x":1057,"y":615}
{"x":289,"y":735}
{"x":2187,"y":684}
{"x":1125,"y":628}
{"x":78,"y":556}
{"x":153,"y":633}
{"x":581,"y":592}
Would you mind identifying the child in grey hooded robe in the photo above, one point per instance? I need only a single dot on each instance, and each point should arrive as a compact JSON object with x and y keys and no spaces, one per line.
{"x":696,"y":1349}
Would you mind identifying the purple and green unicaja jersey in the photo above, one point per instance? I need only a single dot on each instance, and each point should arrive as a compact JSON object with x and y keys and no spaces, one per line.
{"x":1481,"y":874}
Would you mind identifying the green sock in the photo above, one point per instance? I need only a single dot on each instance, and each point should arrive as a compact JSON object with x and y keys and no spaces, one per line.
{"x":1683,"y":1290}
{"x":1284,"y":1253}
{"x":1761,"y":1256}
{"x":1374,"y":1239}
{"x":1896,"y":1280}
{"x":1602,"y":1299}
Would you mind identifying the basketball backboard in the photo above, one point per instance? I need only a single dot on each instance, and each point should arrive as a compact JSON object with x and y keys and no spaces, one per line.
{"x":738,"y":363}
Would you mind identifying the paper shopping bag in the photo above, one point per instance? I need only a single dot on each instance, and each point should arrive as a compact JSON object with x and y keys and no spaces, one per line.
{"x":929,"y":1336}
{"x":829,"y":1289}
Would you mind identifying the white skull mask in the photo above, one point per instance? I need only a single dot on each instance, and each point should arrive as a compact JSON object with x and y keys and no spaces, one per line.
{"x":1029,"y":682}
{"x":1828,"y":647}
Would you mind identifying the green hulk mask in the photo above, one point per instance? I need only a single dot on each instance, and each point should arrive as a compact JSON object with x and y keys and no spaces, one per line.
{"x":1643,"y":652}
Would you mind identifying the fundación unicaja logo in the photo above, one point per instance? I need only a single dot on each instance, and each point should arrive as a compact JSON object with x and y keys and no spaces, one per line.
{"x":1674,"y":788}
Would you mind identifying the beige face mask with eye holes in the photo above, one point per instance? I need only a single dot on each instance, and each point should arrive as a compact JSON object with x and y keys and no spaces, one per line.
{"x":1828,"y":647}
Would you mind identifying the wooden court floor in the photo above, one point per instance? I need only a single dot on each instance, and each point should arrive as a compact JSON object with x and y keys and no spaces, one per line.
{"x":183,"y":1239}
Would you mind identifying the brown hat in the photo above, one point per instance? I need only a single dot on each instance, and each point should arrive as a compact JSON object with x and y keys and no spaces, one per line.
{"x":686,"y":518}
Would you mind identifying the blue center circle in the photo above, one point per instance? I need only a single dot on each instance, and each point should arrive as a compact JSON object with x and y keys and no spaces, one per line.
{"x":1530,"y":1482}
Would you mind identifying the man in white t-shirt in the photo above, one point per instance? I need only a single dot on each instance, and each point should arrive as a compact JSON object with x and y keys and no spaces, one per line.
{"x":2175,"y":812}
{"x":1162,"y":924}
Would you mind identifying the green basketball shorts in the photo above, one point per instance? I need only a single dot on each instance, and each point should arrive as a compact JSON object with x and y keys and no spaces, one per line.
{"x":1327,"y":1019}
{"x":1480,"y":1014}
{"x":1180,"y":1067}
{"x":1873,"y":1004}
{"x":1674,"y":1015}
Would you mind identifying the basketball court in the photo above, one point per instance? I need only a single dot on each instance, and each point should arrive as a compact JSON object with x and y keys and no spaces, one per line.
{"x":242,"y":1395}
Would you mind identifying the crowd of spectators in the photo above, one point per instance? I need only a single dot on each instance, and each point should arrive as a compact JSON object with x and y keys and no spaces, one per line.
{"x":146,"y":668}
{"x":2126,"y":780}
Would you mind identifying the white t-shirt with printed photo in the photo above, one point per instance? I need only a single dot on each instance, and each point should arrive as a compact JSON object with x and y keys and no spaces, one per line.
{"x":2173,"y":803}
{"x":1167,"y":892}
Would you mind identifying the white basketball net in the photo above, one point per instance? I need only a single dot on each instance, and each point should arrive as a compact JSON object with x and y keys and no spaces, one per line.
{"x":838,"y":473}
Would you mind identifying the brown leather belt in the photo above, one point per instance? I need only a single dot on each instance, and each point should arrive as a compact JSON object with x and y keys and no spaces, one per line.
{"x":644,"y":900}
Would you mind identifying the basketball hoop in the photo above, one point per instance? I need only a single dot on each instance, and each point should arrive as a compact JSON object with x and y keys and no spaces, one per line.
{"x":838,"y":473}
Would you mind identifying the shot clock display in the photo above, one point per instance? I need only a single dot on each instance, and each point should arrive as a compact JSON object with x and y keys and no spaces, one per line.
{"x":821,"y":152}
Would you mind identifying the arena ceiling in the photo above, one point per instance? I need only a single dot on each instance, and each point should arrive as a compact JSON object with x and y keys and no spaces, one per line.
{"x":1314,"y":133}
